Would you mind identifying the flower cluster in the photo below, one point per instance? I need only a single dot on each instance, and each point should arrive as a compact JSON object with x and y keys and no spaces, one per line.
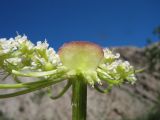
{"x":21,"y":53}
{"x":75,"y":60}
{"x":114,"y":70}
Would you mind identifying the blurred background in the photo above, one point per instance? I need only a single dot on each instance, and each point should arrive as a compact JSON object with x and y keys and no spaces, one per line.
{"x":130,"y":27}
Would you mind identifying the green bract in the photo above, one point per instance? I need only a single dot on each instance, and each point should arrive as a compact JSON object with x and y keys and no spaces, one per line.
{"x":81,"y":56}
{"x":20,"y":57}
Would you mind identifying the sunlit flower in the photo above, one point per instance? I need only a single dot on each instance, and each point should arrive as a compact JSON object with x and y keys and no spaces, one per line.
{"x":42,"y":45}
{"x":109,"y":55}
{"x":20,"y":57}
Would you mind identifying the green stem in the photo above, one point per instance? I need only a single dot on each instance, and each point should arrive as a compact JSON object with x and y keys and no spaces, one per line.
{"x":79,"y":99}
{"x":34,"y":88}
{"x":39,"y":74}
{"x":61,"y":93}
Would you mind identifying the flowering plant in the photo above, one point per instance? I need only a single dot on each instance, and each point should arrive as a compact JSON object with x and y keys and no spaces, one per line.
{"x":80,"y":63}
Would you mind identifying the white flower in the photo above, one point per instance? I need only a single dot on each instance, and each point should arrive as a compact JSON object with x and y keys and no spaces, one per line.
{"x":14,"y":61}
{"x":126,"y":66}
{"x":118,"y":69}
{"x":7,"y":45}
{"x":41,"y":45}
{"x":108,"y":54}
{"x":22,"y":40}
{"x":52,"y":56}
{"x":13,"y":44}
{"x":131,"y":78}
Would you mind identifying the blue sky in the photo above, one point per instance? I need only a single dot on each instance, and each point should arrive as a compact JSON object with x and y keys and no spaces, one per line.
{"x":106,"y":22}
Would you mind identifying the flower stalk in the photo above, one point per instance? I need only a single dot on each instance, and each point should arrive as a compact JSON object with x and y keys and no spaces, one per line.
{"x":79,"y":99}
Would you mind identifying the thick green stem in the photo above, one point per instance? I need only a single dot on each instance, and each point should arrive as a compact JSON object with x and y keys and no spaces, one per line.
{"x":79,"y":99}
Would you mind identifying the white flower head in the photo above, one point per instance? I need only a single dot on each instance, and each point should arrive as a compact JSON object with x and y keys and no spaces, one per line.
{"x":109,"y":55}
{"x":118,"y":70}
{"x":7,"y":45}
{"x":21,"y":39}
{"x":42,"y":45}
{"x":52,"y":56}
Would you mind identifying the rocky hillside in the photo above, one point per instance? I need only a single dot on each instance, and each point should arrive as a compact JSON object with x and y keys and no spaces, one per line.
{"x":126,"y":102}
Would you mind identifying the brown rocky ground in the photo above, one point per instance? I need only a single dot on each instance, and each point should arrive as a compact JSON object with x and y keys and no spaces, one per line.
{"x":123,"y":102}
